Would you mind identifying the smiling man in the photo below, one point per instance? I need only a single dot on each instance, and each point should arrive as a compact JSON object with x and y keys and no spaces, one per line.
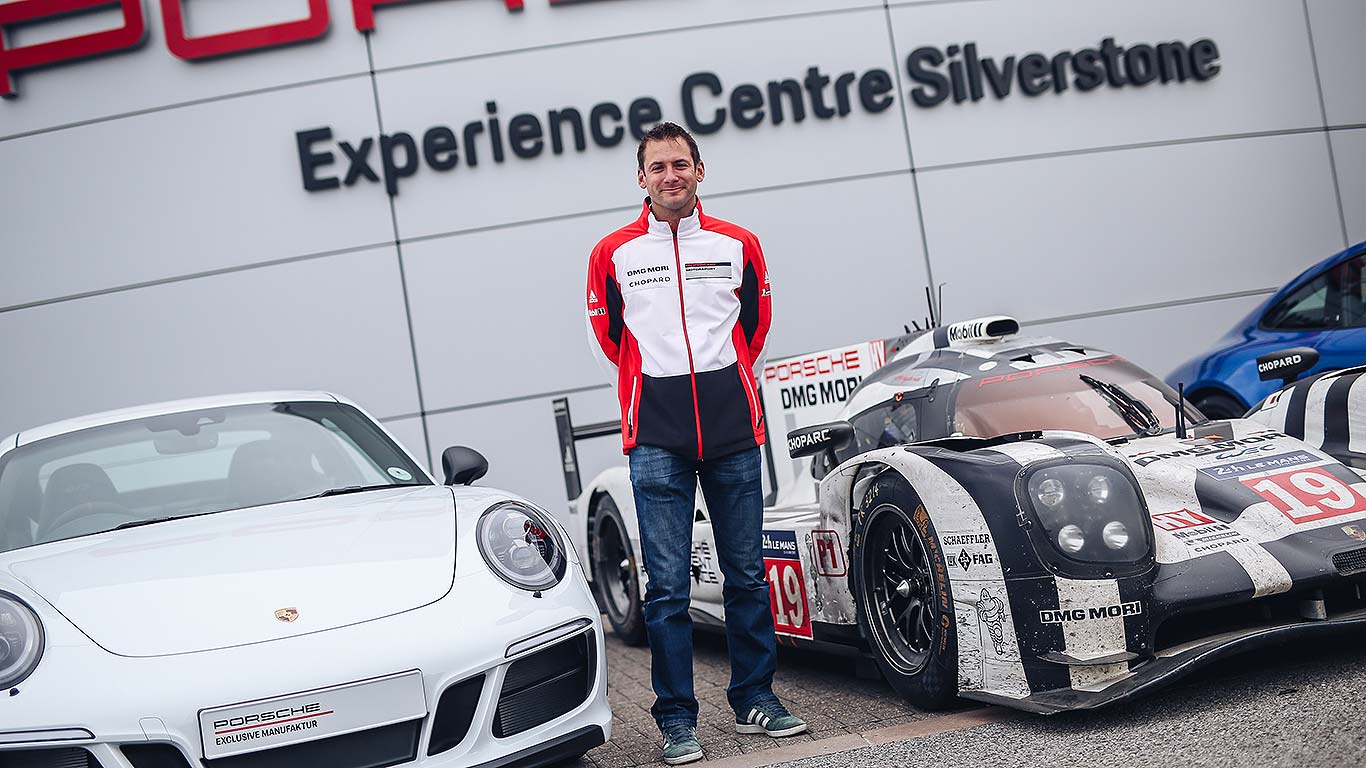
{"x":678,"y":306}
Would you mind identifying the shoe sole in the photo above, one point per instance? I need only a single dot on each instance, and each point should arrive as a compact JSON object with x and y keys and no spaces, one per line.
{"x":689,"y":758}
{"x":756,"y":728}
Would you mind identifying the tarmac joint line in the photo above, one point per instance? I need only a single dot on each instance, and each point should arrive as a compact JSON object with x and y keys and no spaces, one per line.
{"x":847,"y":742}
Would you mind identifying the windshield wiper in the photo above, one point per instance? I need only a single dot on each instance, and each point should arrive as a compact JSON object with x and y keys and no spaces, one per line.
{"x":155,"y":520}
{"x":358,"y":489}
{"x":1135,"y":412}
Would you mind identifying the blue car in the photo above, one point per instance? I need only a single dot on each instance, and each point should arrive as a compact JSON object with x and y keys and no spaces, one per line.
{"x":1324,"y":308}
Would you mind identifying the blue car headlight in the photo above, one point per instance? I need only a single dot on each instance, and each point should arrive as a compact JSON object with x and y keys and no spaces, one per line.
{"x":1091,"y":513}
{"x":522,"y":545}
{"x":21,"y":640}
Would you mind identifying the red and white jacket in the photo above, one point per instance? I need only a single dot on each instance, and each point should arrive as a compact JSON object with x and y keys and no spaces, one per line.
{"x":681,"y":317}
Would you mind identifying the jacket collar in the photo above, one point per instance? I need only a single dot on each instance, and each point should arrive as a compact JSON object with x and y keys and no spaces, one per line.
{"x":659,"y":228}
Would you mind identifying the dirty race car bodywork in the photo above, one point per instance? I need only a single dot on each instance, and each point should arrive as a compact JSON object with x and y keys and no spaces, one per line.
{"x":1024,"y":522}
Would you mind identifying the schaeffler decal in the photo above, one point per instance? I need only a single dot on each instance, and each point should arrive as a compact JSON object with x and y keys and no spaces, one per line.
{"x":1068,"y":615}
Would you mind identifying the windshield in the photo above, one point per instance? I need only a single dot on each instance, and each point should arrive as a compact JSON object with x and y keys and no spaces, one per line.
{"x":1057,"y":397}
{"x":190,"y":463}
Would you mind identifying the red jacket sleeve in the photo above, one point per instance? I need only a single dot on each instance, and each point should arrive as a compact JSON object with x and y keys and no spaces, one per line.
{"x":604,"y":307}
{"x":755,"y":301}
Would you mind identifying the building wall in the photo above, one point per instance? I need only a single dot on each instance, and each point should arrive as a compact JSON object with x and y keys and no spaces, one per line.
{"x":157,"y":239}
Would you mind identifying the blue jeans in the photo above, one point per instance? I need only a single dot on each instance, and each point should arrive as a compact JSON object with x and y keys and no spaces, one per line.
{"x":664,"y":485}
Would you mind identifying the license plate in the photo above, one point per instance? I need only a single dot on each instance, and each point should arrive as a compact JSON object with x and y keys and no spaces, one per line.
{"x":300,"y":717}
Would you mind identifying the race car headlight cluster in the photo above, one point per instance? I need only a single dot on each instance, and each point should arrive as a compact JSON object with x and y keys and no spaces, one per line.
{"x":1090,"y":512}
{"x":21,"y":641}
{"x":522,"y":545}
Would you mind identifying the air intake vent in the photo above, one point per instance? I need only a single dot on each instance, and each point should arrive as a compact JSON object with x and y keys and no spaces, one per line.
{"x":1351,"y":562}
{"x":154,"y":756}
{"x":546,"y":684}
{"x":454,"y":712}
{"x":48,"y":758}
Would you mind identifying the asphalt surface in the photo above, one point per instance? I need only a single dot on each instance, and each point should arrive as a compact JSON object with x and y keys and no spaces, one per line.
{"x":1297,"y":705}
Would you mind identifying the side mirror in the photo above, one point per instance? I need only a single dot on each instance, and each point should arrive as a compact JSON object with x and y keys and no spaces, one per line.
{"x":462,"y":466}
{"x":1287,"y":364}
{"x":809,"y":441}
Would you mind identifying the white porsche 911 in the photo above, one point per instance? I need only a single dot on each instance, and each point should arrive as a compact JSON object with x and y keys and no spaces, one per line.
{"x":271,"y":580}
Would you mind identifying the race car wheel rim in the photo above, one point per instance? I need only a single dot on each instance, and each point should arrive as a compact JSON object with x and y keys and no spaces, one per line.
{"x":615,"y":568}
{"x":900,"y":590}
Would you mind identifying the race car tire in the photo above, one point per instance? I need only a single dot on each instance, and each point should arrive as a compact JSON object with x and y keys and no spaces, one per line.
{"x":1218,"y":406}
{"x":616,"y":579}
{"x":905,"y":608}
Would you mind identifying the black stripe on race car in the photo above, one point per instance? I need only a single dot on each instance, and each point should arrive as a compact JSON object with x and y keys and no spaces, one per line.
{"x":1223,"y":499}
{"x":1309,"y":554}
{"x":1027,"y":598}
{"x":1336,"y":429}
{"x":1294,"y":410}
{"x":990,"y":479}
{"x":1189,"y":584}
{"x":1137,"y":589}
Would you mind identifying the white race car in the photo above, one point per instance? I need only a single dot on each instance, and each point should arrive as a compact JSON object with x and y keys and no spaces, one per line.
{"x":271,"y":580}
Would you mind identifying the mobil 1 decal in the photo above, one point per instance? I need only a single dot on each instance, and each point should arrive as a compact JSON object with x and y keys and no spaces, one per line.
{"x":1197,"y":533}
{"x":787,"y":584}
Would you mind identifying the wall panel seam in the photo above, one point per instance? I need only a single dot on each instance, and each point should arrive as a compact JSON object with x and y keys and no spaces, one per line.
{"x":1323,"y":112}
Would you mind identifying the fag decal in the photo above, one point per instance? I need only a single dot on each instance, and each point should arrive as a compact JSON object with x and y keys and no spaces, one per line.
{"x":1309,"y":494}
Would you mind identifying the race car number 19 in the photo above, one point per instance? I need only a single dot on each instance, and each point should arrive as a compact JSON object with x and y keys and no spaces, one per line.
{"x":787,"y":587}
{"x":1308,"y":494}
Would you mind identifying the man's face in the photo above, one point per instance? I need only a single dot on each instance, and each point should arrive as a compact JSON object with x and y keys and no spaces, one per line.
{"x":670,"y":177}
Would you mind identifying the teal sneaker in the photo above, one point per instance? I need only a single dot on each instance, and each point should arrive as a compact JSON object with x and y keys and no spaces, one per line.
{"x":768,"y":715}
{"x":680,"y":743}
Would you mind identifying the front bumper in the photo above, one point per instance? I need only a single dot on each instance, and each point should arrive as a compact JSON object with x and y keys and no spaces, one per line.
{"x":1173,"y":663}
{"x":82,"y":696}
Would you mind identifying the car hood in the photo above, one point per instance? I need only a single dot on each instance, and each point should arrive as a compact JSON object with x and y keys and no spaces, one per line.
{"x":238,"y":577}
{"x":1232,"y":484}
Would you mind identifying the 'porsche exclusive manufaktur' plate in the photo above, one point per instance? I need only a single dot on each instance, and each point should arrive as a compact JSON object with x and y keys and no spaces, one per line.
{"x":300,"y":717}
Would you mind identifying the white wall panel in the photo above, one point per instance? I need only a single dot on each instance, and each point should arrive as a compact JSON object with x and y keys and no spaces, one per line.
{"x":1266,"y":82}
{"x":444,"y":30}
{"x":334,"y":324}
{"x":1338,"y":26}
{"x":151,"y":76}
{"x":454,"y":94}
{"x":177,"y":192}
{"x":519,"y":441}
{"x":1084,"y":233}
{"x":500,"y":314}
{"x":1349,"y":155}
{"x":408,"y":432}
{"x":1157,"y":339}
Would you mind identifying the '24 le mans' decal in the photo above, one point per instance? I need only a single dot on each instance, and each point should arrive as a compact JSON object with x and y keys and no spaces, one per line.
{"x":787,"y":584}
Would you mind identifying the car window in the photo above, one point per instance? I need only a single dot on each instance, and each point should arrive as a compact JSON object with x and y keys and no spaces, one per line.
{"x":1334,"y":299}
{"x":884,"y":425}
{"x":189,"y":463}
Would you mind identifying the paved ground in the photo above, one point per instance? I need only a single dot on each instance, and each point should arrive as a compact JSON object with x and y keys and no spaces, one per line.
{"x":1300,"y":705}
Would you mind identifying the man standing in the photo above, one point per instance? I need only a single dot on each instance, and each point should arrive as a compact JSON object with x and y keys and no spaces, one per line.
{"x":678,"y":305}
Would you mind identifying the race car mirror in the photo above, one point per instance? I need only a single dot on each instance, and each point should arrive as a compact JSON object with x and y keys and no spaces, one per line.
{"x":462,"y":466}
{"x":1287,"y":364}
{"x":809,"y":441}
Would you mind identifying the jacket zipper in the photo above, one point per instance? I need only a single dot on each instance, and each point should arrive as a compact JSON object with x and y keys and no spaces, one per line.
{"x":753,"y":398}
{"x":631,"y":409}
{"x":692,"y":370}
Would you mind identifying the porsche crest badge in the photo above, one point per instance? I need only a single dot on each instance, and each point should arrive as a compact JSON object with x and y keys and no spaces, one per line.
{"x":287,"y":614}
{"x":1355,"y":531}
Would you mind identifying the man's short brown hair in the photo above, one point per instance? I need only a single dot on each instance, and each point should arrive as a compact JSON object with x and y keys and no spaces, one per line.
{"x":667,"y":132}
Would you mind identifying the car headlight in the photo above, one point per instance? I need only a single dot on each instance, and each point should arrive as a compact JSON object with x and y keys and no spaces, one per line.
{"x":1091,"y":513}
{"x":21,"y":641}
{"x":522,"y":545}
